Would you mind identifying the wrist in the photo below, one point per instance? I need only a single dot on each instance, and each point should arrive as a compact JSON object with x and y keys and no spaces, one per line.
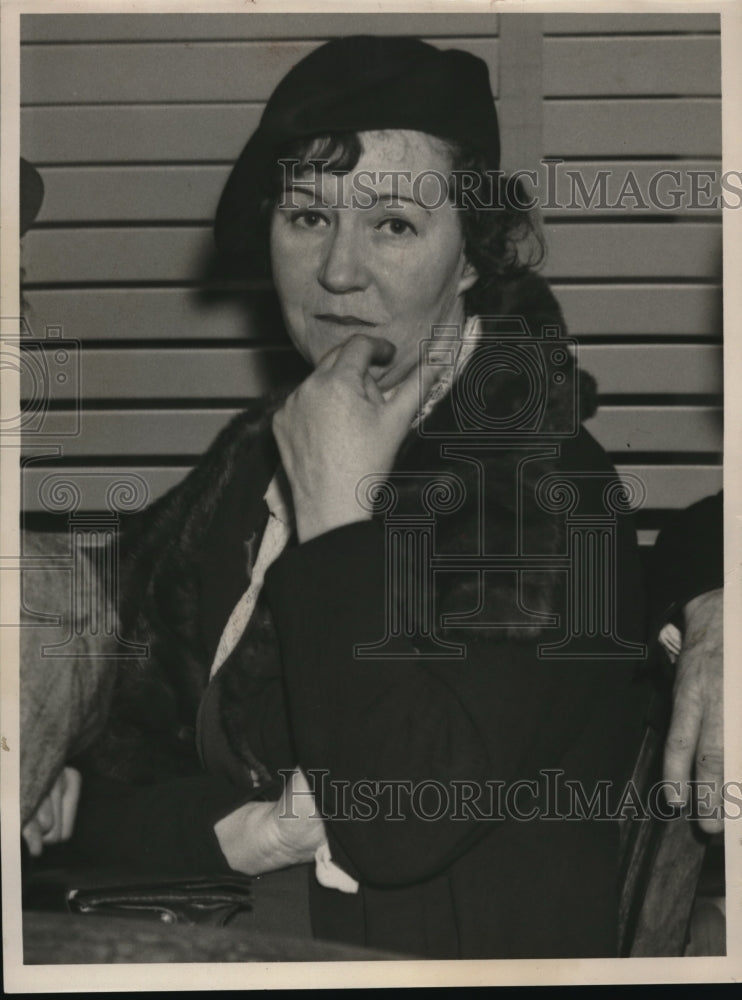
{"x":297,"y":832}
{"x":248,"y":838}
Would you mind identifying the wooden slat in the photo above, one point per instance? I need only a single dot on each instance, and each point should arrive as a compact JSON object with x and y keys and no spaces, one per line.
{"x":605,"y":250}
{"x":674,"y":188}
{"x":185,"y":193}
{"x":216,"y":133}
{"x":519,"y":108}
{"x":171,"y":373}
{"x":43,"y":489}
{"x":619,"y":67}
{"x":176,"y":72}
{"x":247,"y":372}
{"x":145,"y":432}
{"x":204,"y":133}
{"x":185,"y":314}
{"x":658,"y":369}
{"x":633,"y":250}
{"x":177,"y":193}
{"x":632,"y":24}
{"x":188,"y":432}
{"x":647,"y":536}
{"x":177,"y":27}
{"x":143,"y":313}
{"x":657,"y":310}
{"x":110,"y":255}
{"x":672,"y":487}
{"x":670,"y":127}
{"x":659,"y":428}
{"x":676,"y":486}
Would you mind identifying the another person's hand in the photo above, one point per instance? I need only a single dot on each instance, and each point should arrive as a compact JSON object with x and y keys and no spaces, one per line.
{"x":54,"y":820}
{"x":337,"y":427}
{"x":264,"y":836}
{"x":695,"y":742}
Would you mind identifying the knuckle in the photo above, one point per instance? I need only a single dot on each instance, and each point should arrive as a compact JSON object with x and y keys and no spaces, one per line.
{"x":678,"y":741}
{"x":710,"y":759}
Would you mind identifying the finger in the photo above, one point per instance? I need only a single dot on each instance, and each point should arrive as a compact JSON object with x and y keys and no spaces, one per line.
{"x":278,"y":420}
{"x":372,"y":389}
{"x":676,"y":640}
{"x":671,"y":639}
{"x":32,"y":835}
{"x":359,"y":352}
{"x":70,"y":800}
{"x":680,"y":745}
{"x":328,"y":360}
{"x":710,"y":775}
{"x":45,"y":815}
{"x":51,"y":836}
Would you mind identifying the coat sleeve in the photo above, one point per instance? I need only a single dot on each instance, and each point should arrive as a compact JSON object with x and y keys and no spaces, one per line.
{"x":687,"y":560}
{"x":387,"y":742}
{"x":164,"y":827}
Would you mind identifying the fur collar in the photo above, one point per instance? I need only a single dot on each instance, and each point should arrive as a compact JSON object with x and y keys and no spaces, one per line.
{"x":150,"y":735}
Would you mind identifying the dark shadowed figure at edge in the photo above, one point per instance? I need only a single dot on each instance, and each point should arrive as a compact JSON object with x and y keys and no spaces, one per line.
{"x":337,"y":194}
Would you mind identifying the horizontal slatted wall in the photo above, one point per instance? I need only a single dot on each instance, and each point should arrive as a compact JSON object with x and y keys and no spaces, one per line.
{"x":134,"y":120}
{"x":631,"y":113}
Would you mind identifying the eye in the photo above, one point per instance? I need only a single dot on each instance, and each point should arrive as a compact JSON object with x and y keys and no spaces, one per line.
{"x":308,"y":219}
{"x":397,"y":227}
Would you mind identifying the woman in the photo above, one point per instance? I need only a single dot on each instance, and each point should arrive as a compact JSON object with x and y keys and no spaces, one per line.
{"x":343,"y":178}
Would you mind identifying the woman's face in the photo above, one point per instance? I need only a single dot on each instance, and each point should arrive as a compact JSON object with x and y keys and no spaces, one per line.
{"x":377,"y":251}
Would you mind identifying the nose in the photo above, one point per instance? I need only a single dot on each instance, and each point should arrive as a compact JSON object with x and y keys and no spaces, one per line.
{"x":343,"y":267}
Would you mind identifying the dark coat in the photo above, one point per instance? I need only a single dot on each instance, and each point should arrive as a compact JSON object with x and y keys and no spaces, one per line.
{"x":687,"y":560}
{"x":469,"y":885}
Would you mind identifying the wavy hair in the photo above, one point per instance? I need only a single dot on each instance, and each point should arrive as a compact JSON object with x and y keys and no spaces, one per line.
{"x":502,"y":236}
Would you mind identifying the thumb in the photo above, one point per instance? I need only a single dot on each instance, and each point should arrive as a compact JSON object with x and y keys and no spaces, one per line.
{"x":70,"y":799}
{"x":32,"y":835}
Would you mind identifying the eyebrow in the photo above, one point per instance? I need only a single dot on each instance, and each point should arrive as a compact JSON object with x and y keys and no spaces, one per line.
{"x":312,"y":192}
{"x":401,"y":197}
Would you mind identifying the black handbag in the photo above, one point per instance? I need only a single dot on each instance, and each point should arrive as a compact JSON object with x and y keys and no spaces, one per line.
{"x":186,"y":900}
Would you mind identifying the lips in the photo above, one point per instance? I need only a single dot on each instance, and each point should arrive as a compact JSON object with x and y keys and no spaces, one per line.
{"x":345,"y":320}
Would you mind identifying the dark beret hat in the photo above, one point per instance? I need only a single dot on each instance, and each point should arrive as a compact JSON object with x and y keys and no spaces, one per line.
{"x":354,"y":84}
